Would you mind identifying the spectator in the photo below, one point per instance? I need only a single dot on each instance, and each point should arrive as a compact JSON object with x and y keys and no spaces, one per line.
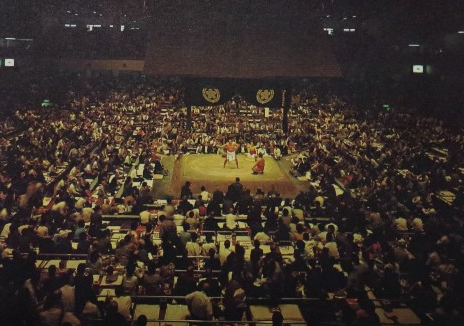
{"x":199,"y":304}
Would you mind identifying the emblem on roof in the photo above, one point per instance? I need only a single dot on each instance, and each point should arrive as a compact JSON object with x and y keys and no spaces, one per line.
{"x":264,"y":96}
{"x":212,"y":95}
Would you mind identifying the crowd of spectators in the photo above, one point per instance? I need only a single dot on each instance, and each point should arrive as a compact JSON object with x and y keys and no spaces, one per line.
{"x":382,"y":216}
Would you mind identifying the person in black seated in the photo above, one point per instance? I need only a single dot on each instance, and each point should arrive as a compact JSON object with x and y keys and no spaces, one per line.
{"x":245,"y":202}
{"x":51,"y":282}
{"x":213,"y":263}
{"x":26,"y":239}
{"x":146,"y":236}
{"x":64,"y":245}
{"x":299,"y":264}
{"x":151,"y":281}
{"x":186,"y":191}
{"x":104,"y":245}
{"x":185,"y":236}
{"x":112,"y":316}
{"x":227,"y":206}
{"x":182,"y":262}
{"x":46,"y":244}
{"x":111,"y":277}
{"x":96,"y":221}
{"x":210,"y":223}
{"x":255,"y":257}
{"x":52,"y":309}
{"x":113,"y":182}
{"x":143,"y":252}
{"x":83,"y":244}
{"x":254,"y":214}
{"x":214,"y":207}
{"x":83,"y":282}
{"x":302,"y":201}
{"x":158,"y":167}
{"x":142,"y":320}
{"x":277,"y":319}
{"x":271,"y":221}
{"x":147,"y":174}
{"x":234,"y":299}
{"x":218,"y":195}
{"x":214,"y":289}
{"x":234,"y":191}
{"x":186,"y":282}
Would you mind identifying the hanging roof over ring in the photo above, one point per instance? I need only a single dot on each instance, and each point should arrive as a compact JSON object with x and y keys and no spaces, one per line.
{"x":238,"y":39}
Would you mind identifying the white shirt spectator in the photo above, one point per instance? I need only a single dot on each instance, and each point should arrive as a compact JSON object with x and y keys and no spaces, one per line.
{"x":80,"y":203}
{"x":193,"y":248}
{"x":230,"y":221}
{"x":223,"y":254}
{"x":67,"y":298}
{"x":199,"y":305}
{"x":205,"y":247}
{"x":334,"y":225}
{"x":417,"y":224}
{"x":178,"y":219}
{"x":309,"y":249}
{"x":69,"y":317}
{"x":322,"y":235}
{"x":51,"y":316}
{"x":22,"y":227}
{"x":144,"y":217}
{"x":262,"y":237}
{"x":401,"y":224}
{"x":333,"y":249}
{"x":320,"y":199}
{"x":3,"y":214}
{"x":42,"y":231}
{"x":299,"y":214}
{"x":204,"y":195}
{"x":124,"y":305}
{"x":86,"y":213}
{"x":6,"y":231}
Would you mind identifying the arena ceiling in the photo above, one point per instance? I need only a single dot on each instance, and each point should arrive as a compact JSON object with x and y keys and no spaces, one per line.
{"x":238,"y":39}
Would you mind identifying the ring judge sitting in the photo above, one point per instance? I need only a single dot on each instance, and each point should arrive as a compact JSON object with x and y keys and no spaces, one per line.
{"x":258,"y":168}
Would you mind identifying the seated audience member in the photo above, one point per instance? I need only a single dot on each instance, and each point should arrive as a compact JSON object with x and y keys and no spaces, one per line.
{"x":185,"y":191}
{"x":185,"y":236}
{"x":199,"y":304}
{"x":224,"y":252}
{"x":95,"y":263}
{"x":258,"y":168}
{"x":382,"y":197}
{"x":213,"y":262}
{"x":204,"y":194}
{"x":151,"y":281}
{"x":124,"y":303}
{"x":130,"y":281}
{"x":192,"y":247}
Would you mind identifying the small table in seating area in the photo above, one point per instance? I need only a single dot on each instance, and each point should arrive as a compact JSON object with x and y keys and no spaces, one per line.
{"x":398,"y":316}
{"x":247,"y":243}
{"x":69,"y":264}
{"x":446,"y":196}
{"x":152,"y":312}
{"x":291,"y":313}
{"x":176,"y":312}
{"x":104,"y":284}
